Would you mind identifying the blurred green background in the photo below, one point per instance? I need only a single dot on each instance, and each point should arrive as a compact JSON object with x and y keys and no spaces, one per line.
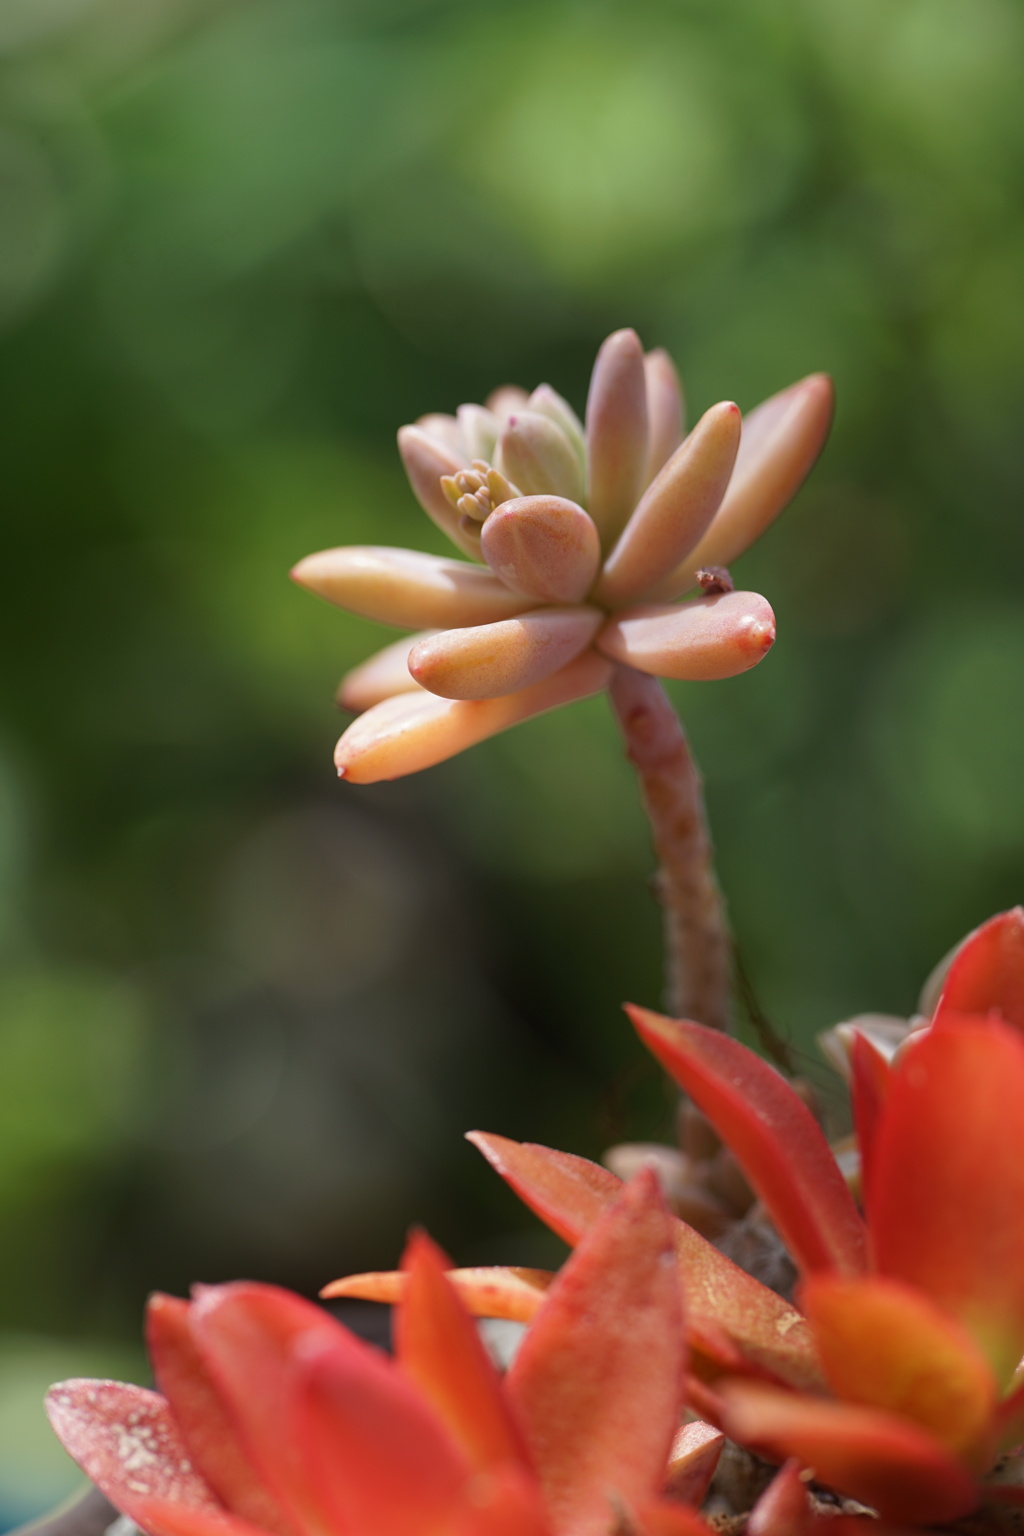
{"x":246,"y":1012}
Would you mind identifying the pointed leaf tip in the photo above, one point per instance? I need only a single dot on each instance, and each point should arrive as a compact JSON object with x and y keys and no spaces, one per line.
{"x":771,"y":1133}
{"x":986,"y":975}
{"x":438,"y":1347}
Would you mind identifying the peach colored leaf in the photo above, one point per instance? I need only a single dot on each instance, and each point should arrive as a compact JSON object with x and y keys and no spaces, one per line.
{"x":414,"y":731}
{"x":674,"y":511}
{"x":485,"y":1291}
{"x":381,"y":675}
{"x":782,"y":438}
{"x":665,"y":410}
{"x":708,"y":638}
{"x":489,"y":661}
{"x":616,"y":433}
{"x":543,"y":546}
{"x":406,"y":587}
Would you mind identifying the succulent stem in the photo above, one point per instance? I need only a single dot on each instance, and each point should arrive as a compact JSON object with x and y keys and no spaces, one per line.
{"x":697,"y":942}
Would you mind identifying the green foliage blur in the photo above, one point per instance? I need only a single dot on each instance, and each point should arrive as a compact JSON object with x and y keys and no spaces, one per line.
{"x":246,"y":1012}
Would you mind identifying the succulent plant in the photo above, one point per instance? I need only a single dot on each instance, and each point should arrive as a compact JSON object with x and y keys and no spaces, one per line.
{"x":580,"y":539}
{"x":896,"y":1381}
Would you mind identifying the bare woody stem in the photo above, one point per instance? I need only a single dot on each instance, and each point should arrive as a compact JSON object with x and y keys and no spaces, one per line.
{"x":697,"y":941}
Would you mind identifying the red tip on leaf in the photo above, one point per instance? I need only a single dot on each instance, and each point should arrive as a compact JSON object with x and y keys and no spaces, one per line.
{"x":375,"y":1455}
{"x":784,"y":1508}
{"x":771,"y":1133}
{"x":599,"y":1378}
{"x":439,"y":1348}
{"x":875,"y":1457}
{"x":948,"y":1185}
{"x":887,"y":1346}
{"x":987,"y":973}
{"x":870,"y":1071}
{"x":208,"y":1430}
{"x":732,"y":1318}
{"x":126,"y":1441}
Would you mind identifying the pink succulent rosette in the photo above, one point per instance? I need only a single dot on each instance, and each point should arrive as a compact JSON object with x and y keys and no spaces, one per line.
{"x":580,"y":541}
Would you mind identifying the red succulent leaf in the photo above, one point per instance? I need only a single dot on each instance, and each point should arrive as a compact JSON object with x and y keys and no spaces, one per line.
{"x":784,"y":1508}
{"x":771,"y":1133}
{"x":375,"y":1455}
{"x":987,"y":973}
{"x":692,"y":1461}
{"x":664,"y":1517}
{"x":126,"y":1441}
{"x":599,"y":1379}
{"x":871,"y":1072}
{"x":490,"y":1290}
{"x":249,"y":1337}
{"x":208,"y":1430}
{"x":876,"y":1457}
{"x":732,"y":1318}
{"x":506,"y":1503}
{"x":159,"y":1517}
{"x":948,"y":1186}
{"x":887,"y":1346}
{"x":439,"y":1349}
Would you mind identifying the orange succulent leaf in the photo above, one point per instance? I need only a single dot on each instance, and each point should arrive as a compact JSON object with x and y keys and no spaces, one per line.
{"x":664,"y":1517}
{"x":125,"y":1439}
{"x":870,"y":1072}
{"x":772,"y":1135}
{"x":887,"y":1346}
{"x":784,"y":1508}
{"x":947,"y":1212}
{"x":209,"y":1432}
{"x":732,"y":1318}
{"x":987,"y":973}
{"x":599,"y":1379}
{"x":439,"y":1349}
{"x":865,"y":1453}
{"x":375,"y":1456}
{"x":485,"y":1291}
{"x":692,"y":1461}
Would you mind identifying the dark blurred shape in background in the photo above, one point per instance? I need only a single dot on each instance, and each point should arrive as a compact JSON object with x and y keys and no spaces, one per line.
{"x":245,"y":1011}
